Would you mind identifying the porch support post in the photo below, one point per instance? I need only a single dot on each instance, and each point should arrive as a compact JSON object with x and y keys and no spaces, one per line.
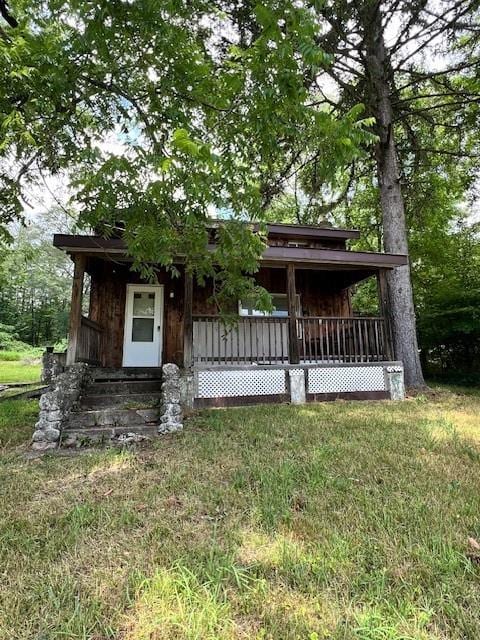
{"x":76,"y":307}
{"x":385,"y":311}
{"x":292,"y":315}
{"x":188,"y":322}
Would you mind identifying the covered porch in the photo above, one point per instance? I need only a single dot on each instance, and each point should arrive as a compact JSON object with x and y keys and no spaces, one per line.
{"x":313,"y":339}
{"x":314,"y":325}
{"x":313,"y":322}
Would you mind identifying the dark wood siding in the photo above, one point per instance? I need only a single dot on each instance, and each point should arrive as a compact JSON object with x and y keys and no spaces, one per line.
{"x":322,"y":293}
{"x":107,"y":307}
{"x":307,"y":243}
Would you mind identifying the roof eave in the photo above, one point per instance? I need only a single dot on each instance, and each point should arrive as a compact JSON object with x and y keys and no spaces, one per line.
{"x":272,"y":255}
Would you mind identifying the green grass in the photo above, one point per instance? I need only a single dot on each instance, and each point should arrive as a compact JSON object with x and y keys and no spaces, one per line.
{"x":19,"y":371}
{"x":34,"y":353}
{"x":346,"y":521}
{"x":17,"y":418}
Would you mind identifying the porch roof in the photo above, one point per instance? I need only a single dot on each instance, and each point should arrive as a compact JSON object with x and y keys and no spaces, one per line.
{"x":273,"y":256}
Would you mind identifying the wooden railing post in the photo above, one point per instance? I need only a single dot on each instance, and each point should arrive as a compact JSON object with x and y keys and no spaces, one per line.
{"x":76,"y":307}
{"x":385,"y":312}
{"x":188,"y":321}
{"x":292,"y":315}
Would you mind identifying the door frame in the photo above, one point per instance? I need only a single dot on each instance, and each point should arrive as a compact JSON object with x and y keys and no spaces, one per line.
{"x":128,"y":316}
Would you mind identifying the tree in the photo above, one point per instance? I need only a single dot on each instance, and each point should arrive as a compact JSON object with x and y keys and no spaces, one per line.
{"x":449,"y":315}
{"x":399,"y":91}
{"x":202,"y":100}
{"x":35,"y":282}
{"x":221,"y":104}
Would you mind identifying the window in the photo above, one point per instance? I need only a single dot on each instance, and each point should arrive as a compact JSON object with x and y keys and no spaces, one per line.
{"x":279,"y":301}
{"x":143,"y":316}
{"x":298,"y":244}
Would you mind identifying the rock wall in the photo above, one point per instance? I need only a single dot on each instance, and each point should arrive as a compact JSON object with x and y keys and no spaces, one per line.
{"x":53,"y":364}
{"x":171,"y":418}
{"x":56,"y":404}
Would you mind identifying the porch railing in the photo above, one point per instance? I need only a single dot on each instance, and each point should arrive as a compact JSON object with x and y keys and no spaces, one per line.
{"x":343,"y":339}
{"x":258,"y":339}
{"x":89,"y":342}
{"x":265,"y":340}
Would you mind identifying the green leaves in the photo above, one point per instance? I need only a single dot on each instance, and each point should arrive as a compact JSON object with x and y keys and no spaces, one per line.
{"x":181,"y":140}
{"x":265,"y":17}
{"x":163,"y":117}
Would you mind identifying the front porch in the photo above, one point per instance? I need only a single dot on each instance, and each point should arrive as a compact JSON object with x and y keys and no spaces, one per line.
{"x":194,"y":335}
{"x":312,"y":333}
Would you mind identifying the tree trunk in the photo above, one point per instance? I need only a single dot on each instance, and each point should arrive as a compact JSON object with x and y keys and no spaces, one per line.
{"x":393,"y":210}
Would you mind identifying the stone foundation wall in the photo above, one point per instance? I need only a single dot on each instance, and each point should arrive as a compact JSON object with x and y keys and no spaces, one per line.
{"x":56,"y":404}
{"x":171,"y":415}
{"x":53,"y":364}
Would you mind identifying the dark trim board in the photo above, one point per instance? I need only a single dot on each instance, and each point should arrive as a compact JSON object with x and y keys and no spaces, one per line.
{"x":238,"y":401}
{"x":334,"y":257}
{"x":308,"y":231}
{"x":355,"y":395}
{"x":342,"y":258}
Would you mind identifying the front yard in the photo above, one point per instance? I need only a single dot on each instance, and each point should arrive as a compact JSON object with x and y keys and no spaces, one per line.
{"x":343,"y":521}
{"x":21,"y":370}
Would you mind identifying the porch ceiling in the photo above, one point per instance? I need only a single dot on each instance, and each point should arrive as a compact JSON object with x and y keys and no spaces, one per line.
{"x":331,"y":259}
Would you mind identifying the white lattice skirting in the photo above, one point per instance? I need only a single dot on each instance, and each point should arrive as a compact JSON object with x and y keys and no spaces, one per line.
{"x":299,"y":384}
{"x":345,"y":379}
{"x":243,"y":382}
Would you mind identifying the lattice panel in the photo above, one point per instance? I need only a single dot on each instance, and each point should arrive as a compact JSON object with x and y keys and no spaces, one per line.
{"x":225,"y":384}
{"x":345,"y":379}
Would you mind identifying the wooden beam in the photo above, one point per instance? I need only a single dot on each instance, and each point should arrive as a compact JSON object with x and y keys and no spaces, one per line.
{"x":292,"y":315}
{"x":342,"y":257}
{"x":188,"y":322}
{"x":385,"y":311}
{"x":76,"y":308}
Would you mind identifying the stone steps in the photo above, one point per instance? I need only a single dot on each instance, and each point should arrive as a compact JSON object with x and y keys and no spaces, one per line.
{"x":107,"y":435}
{"x":123,"y":387}
{"x":118,"y":406}
{"x":120,"y":401}
{"x":126,"y":373}
{"x":112,"y":417}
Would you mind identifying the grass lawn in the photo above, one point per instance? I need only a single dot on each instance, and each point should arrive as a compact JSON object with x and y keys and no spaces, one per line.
{"x":347,"y":521}
{"x":17,"y":418}
{"x":19,"y":371}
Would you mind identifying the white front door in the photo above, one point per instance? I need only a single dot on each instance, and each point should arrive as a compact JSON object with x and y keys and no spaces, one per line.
{"x":142,"y":344}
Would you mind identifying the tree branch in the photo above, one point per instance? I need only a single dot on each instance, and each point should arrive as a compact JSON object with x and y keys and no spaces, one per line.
{"x":445,"y":94}
{"x":432,"y":37}
{"x":441,"y":105}
{"x":6,"y":15}
{"x":447,"y":152}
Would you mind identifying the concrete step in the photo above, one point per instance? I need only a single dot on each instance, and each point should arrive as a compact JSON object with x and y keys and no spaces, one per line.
{"x":120,"y":400}
{"x":122,"y":387}
{"x":131,"y":419}
{"x":126,"y":373}
{"x":103,"y":435}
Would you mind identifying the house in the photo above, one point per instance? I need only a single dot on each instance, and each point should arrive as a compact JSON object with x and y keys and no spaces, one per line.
{"x":312,"y":347}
